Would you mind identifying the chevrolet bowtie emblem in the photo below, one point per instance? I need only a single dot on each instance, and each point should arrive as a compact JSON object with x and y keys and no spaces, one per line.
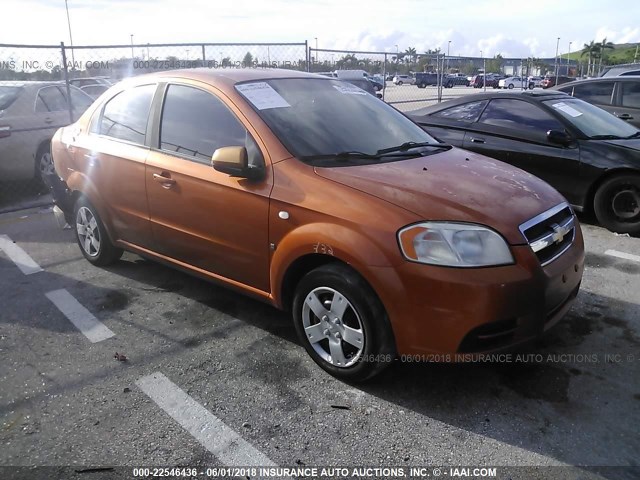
{"x":559,"y":233}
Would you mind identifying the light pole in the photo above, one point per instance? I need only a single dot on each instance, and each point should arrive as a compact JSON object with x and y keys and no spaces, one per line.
{"x":132,"y":55}
{"x":448,"y":47}
{"x":568,"y":55}
{"x":397,"y":59}
{"x":484,"y":72}
{"x":557,"y":46}
{"x":73,"y":59}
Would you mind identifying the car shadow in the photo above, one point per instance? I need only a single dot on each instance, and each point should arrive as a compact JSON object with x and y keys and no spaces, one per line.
{"x":534,"y":403}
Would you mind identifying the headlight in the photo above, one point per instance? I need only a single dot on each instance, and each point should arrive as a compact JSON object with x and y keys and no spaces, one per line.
{"x":453,"y":245}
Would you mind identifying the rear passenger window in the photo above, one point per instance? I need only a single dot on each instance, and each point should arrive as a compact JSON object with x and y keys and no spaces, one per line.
{"x":195,"y":124}
{"x":50,"y":99}
{"x":125,"y":116}
{"x":599,"y":93}
{"x":467,"y":112}
{"x":630,"y":94}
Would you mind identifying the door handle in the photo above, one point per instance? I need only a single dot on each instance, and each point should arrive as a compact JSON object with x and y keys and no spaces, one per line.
{"x":477,"y":140}
{"x":166,"y":182}
{"x":48,"y":120}
{"x":624,"y":116}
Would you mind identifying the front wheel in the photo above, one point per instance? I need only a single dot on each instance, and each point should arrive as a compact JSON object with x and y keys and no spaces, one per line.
{"x":617,"y":204}
{"x":342,"y":324}
{"x":511,"y":86}
{"x":92,"y":236}
{"x":399,"y":83}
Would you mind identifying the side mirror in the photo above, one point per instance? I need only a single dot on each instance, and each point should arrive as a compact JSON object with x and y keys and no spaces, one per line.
{"x":234,"y":161}
{"x":559,"y":137}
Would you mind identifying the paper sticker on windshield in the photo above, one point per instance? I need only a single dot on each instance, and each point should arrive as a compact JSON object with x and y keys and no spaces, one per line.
{"x":349,"y":90}
{"x":262,"y":96}
{"x":568,"y":109}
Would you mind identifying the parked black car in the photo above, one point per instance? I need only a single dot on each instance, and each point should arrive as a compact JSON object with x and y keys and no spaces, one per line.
{"x":590,"y":156}
{"x":449,"y":81}
{"x":617,"y":95}
{"x":425,"y":79}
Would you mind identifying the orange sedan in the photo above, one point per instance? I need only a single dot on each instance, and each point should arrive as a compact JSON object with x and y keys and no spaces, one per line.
{"x":309,"y":194}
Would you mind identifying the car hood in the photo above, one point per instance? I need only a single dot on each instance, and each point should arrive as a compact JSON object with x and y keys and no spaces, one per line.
{"x":630,"y":143}
{"x":457,"y":186}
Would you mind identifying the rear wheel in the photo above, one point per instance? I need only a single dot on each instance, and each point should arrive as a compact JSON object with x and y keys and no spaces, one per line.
{"x":342,"y":324}
{"x":511,"y":86}
{"x":617,"y":204}
{"x":92,"y":236}
{"x":44,"y":164}
{"x":399,"y":83}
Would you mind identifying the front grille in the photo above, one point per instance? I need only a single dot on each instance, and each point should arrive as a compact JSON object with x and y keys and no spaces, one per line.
{"x":551,"y":233}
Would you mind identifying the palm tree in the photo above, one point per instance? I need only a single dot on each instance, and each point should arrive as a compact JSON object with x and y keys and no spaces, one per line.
{"x":604,"y":45}
{"x":411,"y":54}
{"x":590,"y":49}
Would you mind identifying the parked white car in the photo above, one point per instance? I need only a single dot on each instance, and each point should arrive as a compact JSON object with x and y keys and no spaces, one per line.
{"x":513,"y":82}
{"x":536,"y":81}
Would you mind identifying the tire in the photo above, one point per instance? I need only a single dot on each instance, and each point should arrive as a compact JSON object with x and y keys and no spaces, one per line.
{"x":617,"y":204}
{"x":91,"y":235}
{"x":531,"y":86}
{"x":44,"y":165}
{"x":399,"y":83}
{"x":511,"y":86}
{"x":363,"y":320}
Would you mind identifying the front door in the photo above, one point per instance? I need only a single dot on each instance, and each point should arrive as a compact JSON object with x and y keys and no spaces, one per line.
{"x":199,"y":216}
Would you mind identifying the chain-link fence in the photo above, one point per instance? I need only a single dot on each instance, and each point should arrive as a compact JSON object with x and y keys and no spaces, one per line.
{"x":406,"y":80}
{"x":44,"y":87}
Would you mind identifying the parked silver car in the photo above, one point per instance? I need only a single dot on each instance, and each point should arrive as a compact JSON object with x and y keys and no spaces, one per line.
{"x":617,"y":95}
{"x":30,"y":113}
{"x":404,"y":79}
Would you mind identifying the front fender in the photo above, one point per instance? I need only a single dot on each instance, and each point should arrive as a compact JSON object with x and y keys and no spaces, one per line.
{"x":335,"y":241}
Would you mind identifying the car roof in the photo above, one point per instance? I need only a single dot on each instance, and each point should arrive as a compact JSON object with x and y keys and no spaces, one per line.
{"x":531,"y":95}
{"x":229,"y":76}
{"x":625,"y":78}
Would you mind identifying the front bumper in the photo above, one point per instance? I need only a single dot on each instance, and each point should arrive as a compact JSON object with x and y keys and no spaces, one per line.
{"x":62,"y":198}
{"x":454,"y":310}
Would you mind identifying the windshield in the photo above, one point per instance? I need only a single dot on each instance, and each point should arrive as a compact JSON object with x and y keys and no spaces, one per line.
{"x":316,"y":117}
{"x":8,"y":96}
{"x":591,"y":120}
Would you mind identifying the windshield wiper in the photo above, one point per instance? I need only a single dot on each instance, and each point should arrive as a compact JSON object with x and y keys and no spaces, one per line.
{"x":409,"y":145}
{"x":635,"y":135}
{"x":355,"y":155}
{"x":606,"y":137}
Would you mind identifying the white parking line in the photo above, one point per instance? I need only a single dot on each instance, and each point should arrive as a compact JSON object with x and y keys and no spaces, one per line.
{"x":18,"y":256}
{"x":229,"y":447}
{"x":626,"y":256}
{"x":83,"y":319}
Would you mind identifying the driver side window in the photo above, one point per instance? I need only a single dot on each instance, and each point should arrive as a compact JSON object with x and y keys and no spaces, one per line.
{"x":195,"y":124}
{"x":519,"y":115}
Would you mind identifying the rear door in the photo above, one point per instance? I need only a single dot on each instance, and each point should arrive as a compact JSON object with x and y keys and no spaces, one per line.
{"x":628,"y":104}
{"x":112,"y":156}
{"x":201,"y":217}
{"x":515,"y":131}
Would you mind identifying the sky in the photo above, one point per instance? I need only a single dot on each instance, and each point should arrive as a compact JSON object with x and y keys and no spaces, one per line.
{"x":511,"y":28}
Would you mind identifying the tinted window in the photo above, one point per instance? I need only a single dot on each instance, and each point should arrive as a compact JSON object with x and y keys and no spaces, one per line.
{"x":518,"y":114}
{"x":195,"y":124}
{"x":467,"y":112}
{"x":599,"y":93}
{"x":50,"y":99}
{"x":125,"y":115}
{"x":630,"y":94}
{"x":8,"y":96}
